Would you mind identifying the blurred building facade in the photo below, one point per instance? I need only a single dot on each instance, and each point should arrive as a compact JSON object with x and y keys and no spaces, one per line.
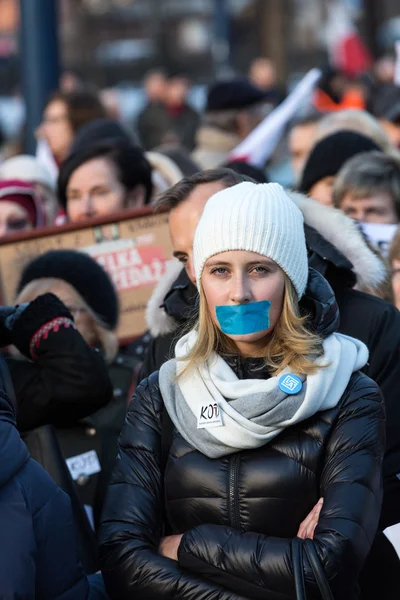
{"x":109,"y":42}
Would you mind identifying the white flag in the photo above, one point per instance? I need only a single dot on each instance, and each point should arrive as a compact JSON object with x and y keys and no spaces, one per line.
{"x":262,"y":141}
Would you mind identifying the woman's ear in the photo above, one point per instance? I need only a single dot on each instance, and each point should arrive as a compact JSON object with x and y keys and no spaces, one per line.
{"x":136,"y":198}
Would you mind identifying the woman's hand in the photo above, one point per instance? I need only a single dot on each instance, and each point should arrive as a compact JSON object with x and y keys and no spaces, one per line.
{"x":169,"y":546}
{"x":307,"y":527}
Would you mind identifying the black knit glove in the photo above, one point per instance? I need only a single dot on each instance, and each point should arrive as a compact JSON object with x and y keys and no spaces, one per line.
{"x":28,"y":321}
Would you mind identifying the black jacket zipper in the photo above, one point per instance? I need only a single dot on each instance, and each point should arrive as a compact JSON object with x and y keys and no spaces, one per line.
{"x":233,"y":500}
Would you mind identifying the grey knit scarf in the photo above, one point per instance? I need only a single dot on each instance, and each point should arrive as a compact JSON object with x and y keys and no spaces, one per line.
{"x":219,"y":414}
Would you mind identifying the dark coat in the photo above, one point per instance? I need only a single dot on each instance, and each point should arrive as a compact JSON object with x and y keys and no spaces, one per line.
{"x":39,"y":558}
{"x":155,"y":123}
{"x":66,"y":381}
{"x":239,"y":513}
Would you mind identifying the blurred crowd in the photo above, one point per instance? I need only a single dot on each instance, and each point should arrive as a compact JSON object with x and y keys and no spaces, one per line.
{"x":68,"y":380}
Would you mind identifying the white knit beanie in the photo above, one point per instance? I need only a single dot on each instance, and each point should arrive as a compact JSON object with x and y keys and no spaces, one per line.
{"x":259,"y":218}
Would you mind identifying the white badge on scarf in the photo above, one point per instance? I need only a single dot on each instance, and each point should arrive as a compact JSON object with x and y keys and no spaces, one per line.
{"x":209,"y":415}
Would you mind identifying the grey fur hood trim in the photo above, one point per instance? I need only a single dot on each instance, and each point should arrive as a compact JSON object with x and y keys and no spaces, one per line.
{"x":157,"y":320}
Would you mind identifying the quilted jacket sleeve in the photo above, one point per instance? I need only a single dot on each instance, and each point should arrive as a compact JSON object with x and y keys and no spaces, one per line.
{"x":260,"y":566}
{"x":132,"y":522}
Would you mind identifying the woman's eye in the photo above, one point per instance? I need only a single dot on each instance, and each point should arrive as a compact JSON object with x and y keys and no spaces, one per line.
{"x":101,"y":192}
{"x":16,"y":225}
{"x":260,"y":270}
{"x":183,"y":259}
{"x":219,"y":271}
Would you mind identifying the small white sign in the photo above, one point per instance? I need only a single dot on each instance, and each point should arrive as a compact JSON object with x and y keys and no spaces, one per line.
{"x":209,"y":415}
{"x":83,"y":464}
{"x":380,"y":234}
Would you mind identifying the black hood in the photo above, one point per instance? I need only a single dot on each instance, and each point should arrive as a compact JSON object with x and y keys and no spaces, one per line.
{"x":325,"y":258}
{"x":181,"y":300}
{"x":13,"y":452}
{"x":319,"y":304}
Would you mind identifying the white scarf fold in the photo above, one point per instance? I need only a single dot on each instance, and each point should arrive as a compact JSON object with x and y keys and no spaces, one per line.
{"x":253,"y":411}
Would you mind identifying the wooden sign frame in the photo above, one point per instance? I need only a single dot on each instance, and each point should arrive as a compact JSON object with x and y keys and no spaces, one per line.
{"x":133,"y":246}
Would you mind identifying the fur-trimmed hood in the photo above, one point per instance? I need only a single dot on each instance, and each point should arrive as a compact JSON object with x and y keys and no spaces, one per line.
{"x":342,"y":232}
{"x":331,"y":224}
{"x":157,"y":320}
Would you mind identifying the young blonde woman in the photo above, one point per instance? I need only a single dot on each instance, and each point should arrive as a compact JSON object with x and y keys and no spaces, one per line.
{"x":270,"y":414}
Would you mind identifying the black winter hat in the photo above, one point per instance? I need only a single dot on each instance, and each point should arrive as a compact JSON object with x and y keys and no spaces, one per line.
{"x":234,"y":95}
{"x":84,"y":274}
{"x":100,"y":131}
{"x":329,"y":155}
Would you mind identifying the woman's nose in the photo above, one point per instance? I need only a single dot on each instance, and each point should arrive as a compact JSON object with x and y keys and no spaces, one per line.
{"x":240,"y":292}
{"x":87,"y":208}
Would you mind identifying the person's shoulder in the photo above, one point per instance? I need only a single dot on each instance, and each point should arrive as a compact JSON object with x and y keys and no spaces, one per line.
{"x":362,"y":394}
{"x":363,"y":313}
{"x":363,"y":299}
{"x":37,"y":485}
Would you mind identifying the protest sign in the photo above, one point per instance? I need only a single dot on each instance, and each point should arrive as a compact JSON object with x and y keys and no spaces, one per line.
{"x":133,"y":247}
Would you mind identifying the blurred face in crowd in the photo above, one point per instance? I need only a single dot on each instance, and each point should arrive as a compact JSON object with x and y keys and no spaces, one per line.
{"x":183,"y":221}
{"x":155,"y":86}
{"x":385,"y":69}
{"x":176,"y":91}
{"x":301,"y":142}
{"x":377,"y":208}
{"x":95,"y":190}
{"x":82,"y":319}
{"x":322,"y":190}
{"x":56,"y":129}
{"x":248,"y":119}
{"x":13,"y":218}
{"x":263,"y":74}
{"x":393,"y":131}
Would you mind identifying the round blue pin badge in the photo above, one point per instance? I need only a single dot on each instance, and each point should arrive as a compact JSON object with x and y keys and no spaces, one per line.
{"x":290,"y":384}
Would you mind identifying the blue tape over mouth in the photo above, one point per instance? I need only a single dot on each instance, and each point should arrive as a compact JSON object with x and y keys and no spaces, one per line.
{"x":244,"y":319}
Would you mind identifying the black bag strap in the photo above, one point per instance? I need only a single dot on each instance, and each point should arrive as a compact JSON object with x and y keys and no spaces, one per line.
{"x":319,"y":574}
{"x":297,"y":558}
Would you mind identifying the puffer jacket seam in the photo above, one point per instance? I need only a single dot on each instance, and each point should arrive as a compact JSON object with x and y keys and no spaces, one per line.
{"x":26,"y":495}
{"x":280,"y":451}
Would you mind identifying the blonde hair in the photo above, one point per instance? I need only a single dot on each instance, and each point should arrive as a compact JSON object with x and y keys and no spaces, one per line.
{"x":290,"y":344}
{"x":107,"y":339}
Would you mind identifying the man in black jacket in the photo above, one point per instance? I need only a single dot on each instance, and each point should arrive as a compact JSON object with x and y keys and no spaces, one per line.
{"x":337,"y":250}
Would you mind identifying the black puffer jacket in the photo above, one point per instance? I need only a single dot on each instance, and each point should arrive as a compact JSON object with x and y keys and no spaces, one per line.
{"x":239,"y":513}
